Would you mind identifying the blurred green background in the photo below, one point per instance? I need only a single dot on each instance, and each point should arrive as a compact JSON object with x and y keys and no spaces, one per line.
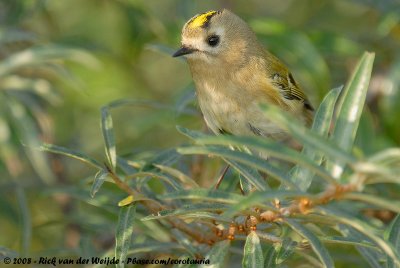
{"x":61,"y":61}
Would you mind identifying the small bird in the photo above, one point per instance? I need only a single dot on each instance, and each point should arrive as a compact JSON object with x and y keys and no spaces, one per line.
{"x":234,"y":74}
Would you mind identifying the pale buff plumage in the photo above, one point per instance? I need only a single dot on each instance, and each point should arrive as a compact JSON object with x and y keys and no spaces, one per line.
{"x":235,"y":76}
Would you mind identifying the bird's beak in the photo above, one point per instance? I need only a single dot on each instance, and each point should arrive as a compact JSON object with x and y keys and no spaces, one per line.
{"x":183,"y":51}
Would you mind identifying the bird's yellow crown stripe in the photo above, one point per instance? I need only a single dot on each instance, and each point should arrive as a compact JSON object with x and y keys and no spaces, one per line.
{"x":201,"y":19}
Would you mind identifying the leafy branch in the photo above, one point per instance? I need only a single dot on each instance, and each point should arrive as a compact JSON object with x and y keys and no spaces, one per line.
{"x":295,"y":212}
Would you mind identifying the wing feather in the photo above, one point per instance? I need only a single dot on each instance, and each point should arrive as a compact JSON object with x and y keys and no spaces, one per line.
{"x":284,"y":81}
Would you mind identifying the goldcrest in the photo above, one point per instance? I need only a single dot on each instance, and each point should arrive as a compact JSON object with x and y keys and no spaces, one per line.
{"x":234,"y":74}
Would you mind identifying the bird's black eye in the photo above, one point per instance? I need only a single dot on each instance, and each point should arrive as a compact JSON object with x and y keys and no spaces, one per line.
{"x":213,"y":40}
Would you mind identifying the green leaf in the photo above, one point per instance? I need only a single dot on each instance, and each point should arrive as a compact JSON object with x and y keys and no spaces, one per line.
{"x":217,"y":254}
{"x":284,"y":250}
{"x":177,"y":174}
{"x":104,"y":203}
{"x":251,"y":175}
{"x":38,"y":86}
{"x":124,"y":232}
{"x":125,"y":166}
{"x":379,"y":202}
{"x":315,"y":243}
{"x":190,"y":133}
{"x":98,"y":181}
{"x":270,"y":257}
{"x":304,"y":135}
{"x":371,"y":254}
{"x":13,"y":35}
{"x":349,"y":109}
{"x":377,"y":172}
{"x":6,"y":252}
{"x":204,"y":195}
{"x":73,"y":154}
{"x":362,"y":228}
{"x":301,"y":175}
{"x":166,"y":157}
{"x":108,"y":135}
{"x":393,"y":232}
{"x":250,"y":160}
{"x":185,"y":242}
{"x":388,"y":156}
{"x":262,"y":198}
{"x":26,"y":224}
{"x":267,"y":146}
{"x":151,"y":247}
{"x":347,"y":241}
{"x":198,"y":215}
{"x":126,"y":201}
{"x":160,"y":176}
{"x":269,"y":237}
{"x":245,"y":186}
{"x":28,"y":133}
{"x":187,"y":209}
{"x":39,"y":55}
{"x":252,"y":255}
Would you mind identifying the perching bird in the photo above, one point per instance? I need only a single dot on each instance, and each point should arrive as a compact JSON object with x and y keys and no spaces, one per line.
{"x":234,"y":74}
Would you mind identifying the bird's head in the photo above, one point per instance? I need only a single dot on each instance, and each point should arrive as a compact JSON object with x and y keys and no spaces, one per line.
{"x":217,"y":37}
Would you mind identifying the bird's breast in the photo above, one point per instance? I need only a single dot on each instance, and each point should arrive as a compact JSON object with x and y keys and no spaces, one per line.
{"x":229,"y":109}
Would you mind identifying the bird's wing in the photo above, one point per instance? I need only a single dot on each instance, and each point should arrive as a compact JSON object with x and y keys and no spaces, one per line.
{"x":284,"y":81}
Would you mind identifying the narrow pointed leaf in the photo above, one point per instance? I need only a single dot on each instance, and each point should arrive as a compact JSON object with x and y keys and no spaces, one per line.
{"x":301,"y":175}
{"x":39,"y":55}
{"x":27,"y":131}
{"x":315,"y":243}
{"x":250,"y":160}
{"x":347,"y":241}
{"x":166,"y":178}
{"x":379,"y":202}
{"x":126,"y":201}
{"x":373,"y":255}
{"x":362,"y":228}
{"x":284,"y":250}
{"x":124,"y":232}
{"x":190,"y":133}
{"x":245,"y":186}
{"x":125,"y":166}
{"x":388,"y":155}
{"x":350,"y":108}
{"x":199,"y":215}
{"x":108,"y":135}
{"x":71,"y":153}
{"x":269,"y":147}
{"x":251,"y":175}
{"x":98,"y":181}
{"x":305,"y":135}
{"x":263,"y":198}
{"x":26,"y":222}
{"x":177,"y":174}
{"x":270,"y":257}
{"x":217,"y":254}
{"x":151,"y":247}
{"x":252,"y":255}
{"x":394,"y":233}
{"x":204,"y":195}
{"x":394,"y":239}
{"x":370,"y":257}
{"x":188,"y":209}
{"x":185,"y":242}
{"x":6,"y":252}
